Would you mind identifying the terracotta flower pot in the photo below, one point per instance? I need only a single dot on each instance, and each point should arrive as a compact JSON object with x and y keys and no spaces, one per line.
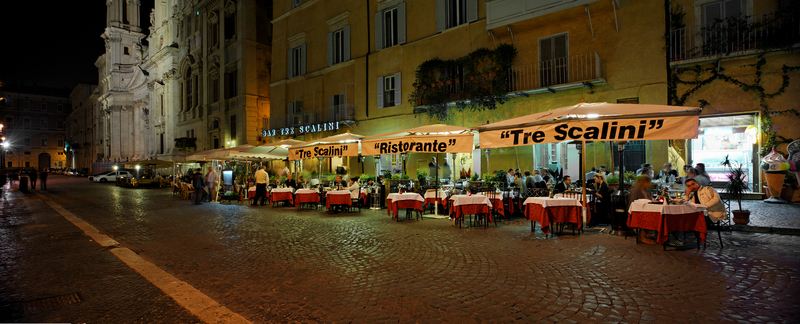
{"x":486,"y":74}
{"x":448,"y":82}
{"x":472,"y":77}
{"x":441,"y":83}
{"x":741,"y":217}
{"x":494,"y":73}
{"x":458,"y":80}
{"x":424,"y":87}
{"x":416,"y":87}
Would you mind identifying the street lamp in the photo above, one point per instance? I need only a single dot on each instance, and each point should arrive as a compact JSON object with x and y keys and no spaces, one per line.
{"x":137,"y":172}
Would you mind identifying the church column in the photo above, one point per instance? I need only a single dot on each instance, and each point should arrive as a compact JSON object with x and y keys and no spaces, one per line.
{"x":133,"y":13}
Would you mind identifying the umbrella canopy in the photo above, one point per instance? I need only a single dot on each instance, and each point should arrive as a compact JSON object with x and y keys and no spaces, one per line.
{"x":269,"y":149}
{"x":284,"y":143}
{"x":593,"y":122}
{"x":153,"y":163}
{"x":217,"y":154}
{"x":332,"y":146}
{"x":436,"y":138}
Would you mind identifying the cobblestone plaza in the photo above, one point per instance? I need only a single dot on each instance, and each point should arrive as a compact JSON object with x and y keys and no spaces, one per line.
{"x":282,"y":265}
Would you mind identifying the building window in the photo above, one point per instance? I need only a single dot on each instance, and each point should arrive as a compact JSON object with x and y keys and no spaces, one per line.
{"x":44,"y":106}
{"x":230,"y":26}
{"x":214,"y":34}
{"x":296,"y":3}
{"x":161,"y":103}
{"x":188,"y":90}
{"x":8,"y":103}
{"x":338,"y":107}
{"x":27,"y":163}
{"x":192,"y":133}
{"x":216,"y":142}
{"x":339,"y":46}
{"x":389,"y":91}
{"x":26,"y":141}
{"x":456,"y":11}
{"x":390,"y":27}
{"x":553,"y":52}
{"x":720,"y":10}
{"x":215,"y":124}
{"x":126,"y":50}
{"x":26,"y":105}
{"x":44,"y":142}
{"x":60,"y":143}
{"x":26,"y":123}
{"x":60,"y":124}
{"x":294,"y":113}
{"x":60,"y":107}
{"x":215,"y":89}
{"x":297,"y":61}
{"x":231,"y":81}
{"x":43,"y":123}
{"x":233,"y":128}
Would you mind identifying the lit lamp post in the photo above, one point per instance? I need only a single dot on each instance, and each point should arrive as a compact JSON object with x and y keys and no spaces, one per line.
{"x":3,"y":146}
{"x":137,"y":172}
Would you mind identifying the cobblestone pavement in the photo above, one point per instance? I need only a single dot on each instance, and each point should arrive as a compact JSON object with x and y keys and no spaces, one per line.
{"x":280,"y":265}
{"x":771,"y":215}
{"x":42,"y":255}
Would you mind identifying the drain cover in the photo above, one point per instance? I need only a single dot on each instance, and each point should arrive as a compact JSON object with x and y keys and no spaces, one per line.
{"x":40,"y":305}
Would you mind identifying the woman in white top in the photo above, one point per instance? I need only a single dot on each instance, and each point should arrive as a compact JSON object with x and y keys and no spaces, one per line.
{"x":354,"y":188}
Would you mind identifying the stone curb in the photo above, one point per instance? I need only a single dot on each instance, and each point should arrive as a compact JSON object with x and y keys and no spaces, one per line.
{"x":764,"y":229}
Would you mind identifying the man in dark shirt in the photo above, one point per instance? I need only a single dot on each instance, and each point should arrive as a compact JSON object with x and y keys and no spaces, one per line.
{"x":43,"y":178}
{"x":290,"y":182}
{"x":562,"y":186}
{"x":198,"y":182}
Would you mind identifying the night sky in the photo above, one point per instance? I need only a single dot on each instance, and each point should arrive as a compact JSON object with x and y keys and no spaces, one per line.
{"x":54,"y":43}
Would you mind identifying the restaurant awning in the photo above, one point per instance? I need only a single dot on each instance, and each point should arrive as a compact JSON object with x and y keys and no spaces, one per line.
{"x":593,"y":122}
{"x":436,"y":138}
{"x":217,"y":154}
{"x":332,"y":146}
{"x":153,"y":163}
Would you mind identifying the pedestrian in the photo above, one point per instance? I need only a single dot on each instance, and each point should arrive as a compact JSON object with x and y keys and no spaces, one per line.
{"x":211,"y":183}
{"x":43,"y":178}
{"x":33,"y":178}
{"x":198,"y":182}
{"x":261,"y":186}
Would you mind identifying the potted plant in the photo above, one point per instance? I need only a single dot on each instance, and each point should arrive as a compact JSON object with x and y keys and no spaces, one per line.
{"x":422,"y":177}
{"x":736,"y":188}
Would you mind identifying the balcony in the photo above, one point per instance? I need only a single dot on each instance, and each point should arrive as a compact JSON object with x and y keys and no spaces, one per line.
{"x":574,"y":71}
{"x":767,"y":32}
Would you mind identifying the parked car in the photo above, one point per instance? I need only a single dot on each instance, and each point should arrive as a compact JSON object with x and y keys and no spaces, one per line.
{"x":91,"y":177}
{"x":112,"y":176}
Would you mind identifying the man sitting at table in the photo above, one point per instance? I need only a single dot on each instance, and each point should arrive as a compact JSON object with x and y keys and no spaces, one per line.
{"x":289,"y":183}
{"x":667,"y":171}
{"x":706,"y":196}
{"x":338,"y":182}
{"x":562,"y":186}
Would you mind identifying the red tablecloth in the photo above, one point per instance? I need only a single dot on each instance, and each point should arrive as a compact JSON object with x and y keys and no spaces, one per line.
{"x":461,"y":210}
{"x":281,"y":196}
{"x":442,"y":201}
{"x":303,"y":198}
{"x":669,"y":223}
{"x":555,"y":214}
{"x":337,"y":200}
{"x":497,"y":205}
{"x":395,"y":206}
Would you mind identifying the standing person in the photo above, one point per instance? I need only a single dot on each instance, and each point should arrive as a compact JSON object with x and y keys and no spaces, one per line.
{"x":198,"y":182}
{"x":603,"y":194}
{"x":43,"y":177}
{"x":33,"y":177}
{"x":211,"y":182}
{"x":261,"y":186}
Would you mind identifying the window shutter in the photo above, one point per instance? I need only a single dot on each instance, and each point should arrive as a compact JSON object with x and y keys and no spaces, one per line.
{"x":733,"y":8}
{"x":712,"y":12}
{"x":378,"y":31}
{"x":472,"y":10}
{"x":545,"y":50}
{"x":441,"y":16}
{"x":330,"y":49}
{"x":560,"y":47}
{"x":380,"y":92}
{"x":303,"y":59}
{"x":331,"y":109}
{"x":397,"y":86}
{"x":346,"y":43}
{"x":401,"y":23}
{"x":290,"y":114}
{"x":288,"y":69}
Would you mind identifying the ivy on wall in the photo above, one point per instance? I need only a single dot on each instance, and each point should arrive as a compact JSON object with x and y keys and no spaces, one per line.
{"x":477,"y":81}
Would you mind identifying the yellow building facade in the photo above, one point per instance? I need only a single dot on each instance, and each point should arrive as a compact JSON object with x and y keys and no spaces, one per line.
{"x":567,"y":51}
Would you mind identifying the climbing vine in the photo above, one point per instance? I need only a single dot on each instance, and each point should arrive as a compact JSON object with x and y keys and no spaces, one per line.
{"x":697,"y":77}
{"x":477,"y":81}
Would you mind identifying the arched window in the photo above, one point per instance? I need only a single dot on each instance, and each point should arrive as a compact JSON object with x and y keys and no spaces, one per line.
{"x":215,"y":124}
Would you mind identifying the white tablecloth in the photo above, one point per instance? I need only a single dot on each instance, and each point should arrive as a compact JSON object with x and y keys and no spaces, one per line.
{"x":570,"y":196}
{"x":283,"y":190}
{"x":306,"y":191}
{"x":432,"y":194}
{"x":252,"y":189}
{"x":407,"y":196}
{"x":644,"y":205}
{"x":552,"y":202}
{"x":339,"y":192}
{"x":459,"y":200}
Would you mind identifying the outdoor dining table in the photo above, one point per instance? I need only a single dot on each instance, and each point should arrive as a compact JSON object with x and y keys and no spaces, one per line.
{"x":282,"y":194}
{"x":470,"y":205}
{"x":305,"y":196}
{"x":552,"y":210}
{"x":668,"y":218}
{"x":430,"y":198}
{"x":497,"y":201}
{"x":409,"y":201}
{"x":338,"y":198}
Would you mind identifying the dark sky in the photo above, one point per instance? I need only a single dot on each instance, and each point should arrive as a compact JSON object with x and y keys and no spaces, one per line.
{"x":54,"y":43}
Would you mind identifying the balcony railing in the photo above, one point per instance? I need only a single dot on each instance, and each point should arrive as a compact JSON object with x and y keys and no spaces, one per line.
{"x":765,"y":32}
{"x":572,"y":69}
{"x":338,"y":113}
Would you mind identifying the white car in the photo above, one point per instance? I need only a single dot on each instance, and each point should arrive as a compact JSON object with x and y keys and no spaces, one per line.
{"x":111,"y":176}
{"x":91,"y":177}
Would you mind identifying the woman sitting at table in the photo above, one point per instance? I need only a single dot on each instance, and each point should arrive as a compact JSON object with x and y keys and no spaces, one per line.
{"x":641,"y":190}
{"x":603,"y":194}
{"x":354,"y":188}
